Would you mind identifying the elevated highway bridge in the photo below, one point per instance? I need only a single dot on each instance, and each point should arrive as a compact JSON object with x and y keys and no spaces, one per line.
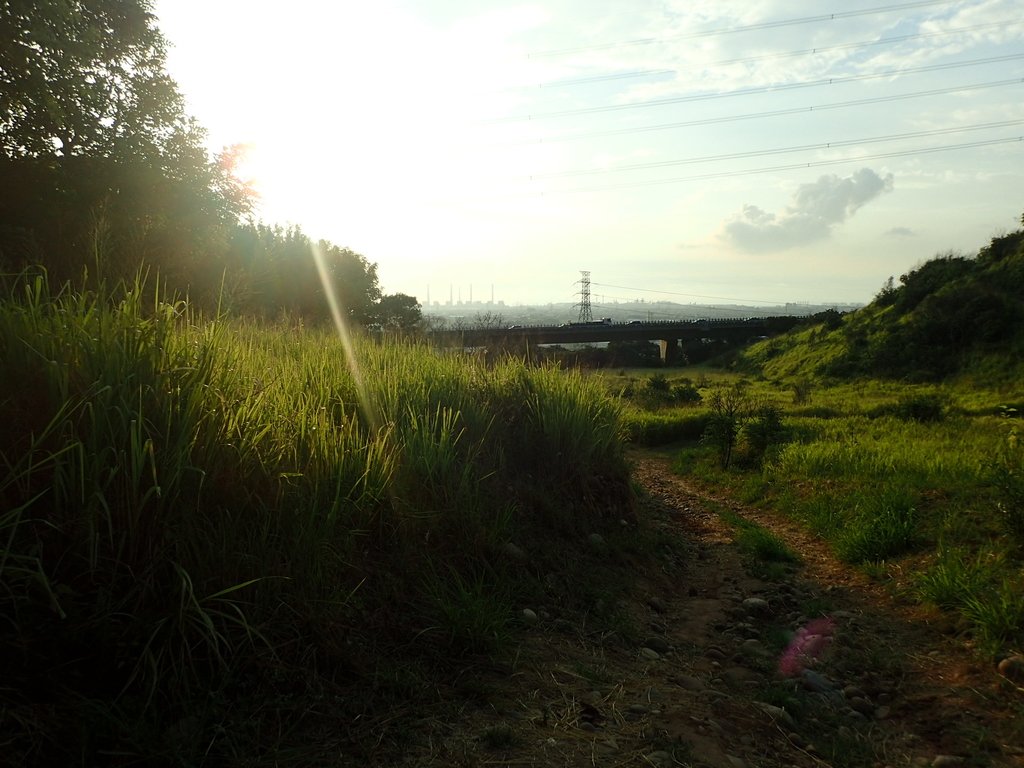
{"x":667,"y":333}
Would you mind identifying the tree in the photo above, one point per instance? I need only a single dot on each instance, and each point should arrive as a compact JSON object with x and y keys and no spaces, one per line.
{"x":99,"y":161}
{"x":273,"y":270}
{"x":398,"y":312}
{"x":84,"y":77}
{"x":486,"y":320}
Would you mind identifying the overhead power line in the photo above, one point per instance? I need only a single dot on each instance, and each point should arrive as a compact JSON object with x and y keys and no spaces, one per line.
{"x":795,"y":166}
{"x":776,"y":112}
{"x":741,"y":28}
{"x":587,"y":80}
{"x":762,"y":89}
{"x":782,"y":150}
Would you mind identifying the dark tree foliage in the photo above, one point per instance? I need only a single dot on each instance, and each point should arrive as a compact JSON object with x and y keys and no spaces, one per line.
{"x":84,"y":77}
{"x":103,"y":174}
{"x":398,"y":312}
{"x":101,"y":168}
{"x":274,"y":270}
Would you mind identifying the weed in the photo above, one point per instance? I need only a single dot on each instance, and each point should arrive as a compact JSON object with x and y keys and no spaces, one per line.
{"x":472,"y":613}
{"x":801,"y":391}
{"x":764,"y":545}
{"x":924,"y":407}
{"x":997,"y":616}
{"x":958,"y":576}
{"x":727,"y":410}
{"x":757,"y":541}
{"x":877,"y":535}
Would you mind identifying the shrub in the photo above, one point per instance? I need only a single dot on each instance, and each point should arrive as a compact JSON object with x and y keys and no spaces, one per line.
{"x":762,"y":429}
{"x":727,"y":409}
{"x":686,"y":392}
{"x":922,"y":407}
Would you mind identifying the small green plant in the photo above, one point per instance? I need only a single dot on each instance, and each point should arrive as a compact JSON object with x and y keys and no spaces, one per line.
{"x":997,"y":616}
{"x":877,"y":534}
{"x":801,"y":391}
{"x":685,"y":391}
{"x":757,"y":541}
{"x":472,"y":613}
{"x":728,"y":407}
{"x":957,"y":577}
{"x":1007,"y":472}
{"x":764,"y":545}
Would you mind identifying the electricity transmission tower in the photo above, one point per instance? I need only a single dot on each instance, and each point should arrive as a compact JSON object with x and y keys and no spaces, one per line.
{"x":585,"y":315}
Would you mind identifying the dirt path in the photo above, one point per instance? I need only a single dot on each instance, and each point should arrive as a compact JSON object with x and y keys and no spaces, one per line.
{"x":707,"y":680}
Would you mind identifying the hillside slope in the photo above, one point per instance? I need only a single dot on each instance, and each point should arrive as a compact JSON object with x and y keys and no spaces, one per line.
{"x":952,"y":316}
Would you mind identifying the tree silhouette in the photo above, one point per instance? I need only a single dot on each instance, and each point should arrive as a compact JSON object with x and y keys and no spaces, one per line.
{"x":101,"y":167}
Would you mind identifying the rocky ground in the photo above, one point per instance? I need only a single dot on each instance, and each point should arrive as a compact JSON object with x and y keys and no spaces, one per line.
{"x":735,"y":662}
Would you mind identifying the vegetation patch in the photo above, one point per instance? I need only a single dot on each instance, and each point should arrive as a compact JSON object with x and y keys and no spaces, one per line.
{"x":201,"y":510}
{"x":890,"y":432}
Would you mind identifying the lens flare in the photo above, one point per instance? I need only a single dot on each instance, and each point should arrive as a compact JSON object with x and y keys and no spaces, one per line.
{"x":807,"y":646}
{"x":341,"y":325}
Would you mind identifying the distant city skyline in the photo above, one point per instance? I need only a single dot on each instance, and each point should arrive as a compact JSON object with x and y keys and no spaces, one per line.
{"x":774,"y":152}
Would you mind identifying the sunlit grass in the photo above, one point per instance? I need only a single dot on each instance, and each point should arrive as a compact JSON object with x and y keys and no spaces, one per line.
{"x":189,"y":502}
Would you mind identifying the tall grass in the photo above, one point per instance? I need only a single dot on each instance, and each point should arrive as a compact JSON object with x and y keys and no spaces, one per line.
{"x":189,"y":505}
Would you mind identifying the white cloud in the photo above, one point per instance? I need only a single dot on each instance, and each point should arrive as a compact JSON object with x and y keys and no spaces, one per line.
{"x":815,"y":210}
{"x":901,"y":232}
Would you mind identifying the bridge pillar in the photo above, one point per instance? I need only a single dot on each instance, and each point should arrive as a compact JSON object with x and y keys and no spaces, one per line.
{"x":670,"y":351}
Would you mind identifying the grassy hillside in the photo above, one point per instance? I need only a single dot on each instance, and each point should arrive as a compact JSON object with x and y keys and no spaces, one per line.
{"x":217,"y":538}
{"x":893,"y":432}
{"x":951,"y":317}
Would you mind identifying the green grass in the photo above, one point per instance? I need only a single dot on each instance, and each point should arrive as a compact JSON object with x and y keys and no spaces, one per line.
{"x":199,"y":511}
{"x":758,"y":542}
{"x":884,"y":470}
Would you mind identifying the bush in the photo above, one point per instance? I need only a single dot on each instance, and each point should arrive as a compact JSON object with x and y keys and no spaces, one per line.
{"x":925,"y":408}
{"x":762,"y":429}
{"x":686,"y":392}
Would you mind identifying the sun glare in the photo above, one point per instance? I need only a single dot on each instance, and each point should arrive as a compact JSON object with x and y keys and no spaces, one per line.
{"x":341,"y":325}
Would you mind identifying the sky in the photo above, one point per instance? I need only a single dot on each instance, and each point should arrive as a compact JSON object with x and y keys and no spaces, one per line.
{"x":699,"y":151}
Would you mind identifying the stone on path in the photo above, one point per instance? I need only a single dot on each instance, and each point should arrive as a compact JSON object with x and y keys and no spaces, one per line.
{"x":815,"y":682}
{"x":756,"y":605}
{"x":1012,"y":668}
